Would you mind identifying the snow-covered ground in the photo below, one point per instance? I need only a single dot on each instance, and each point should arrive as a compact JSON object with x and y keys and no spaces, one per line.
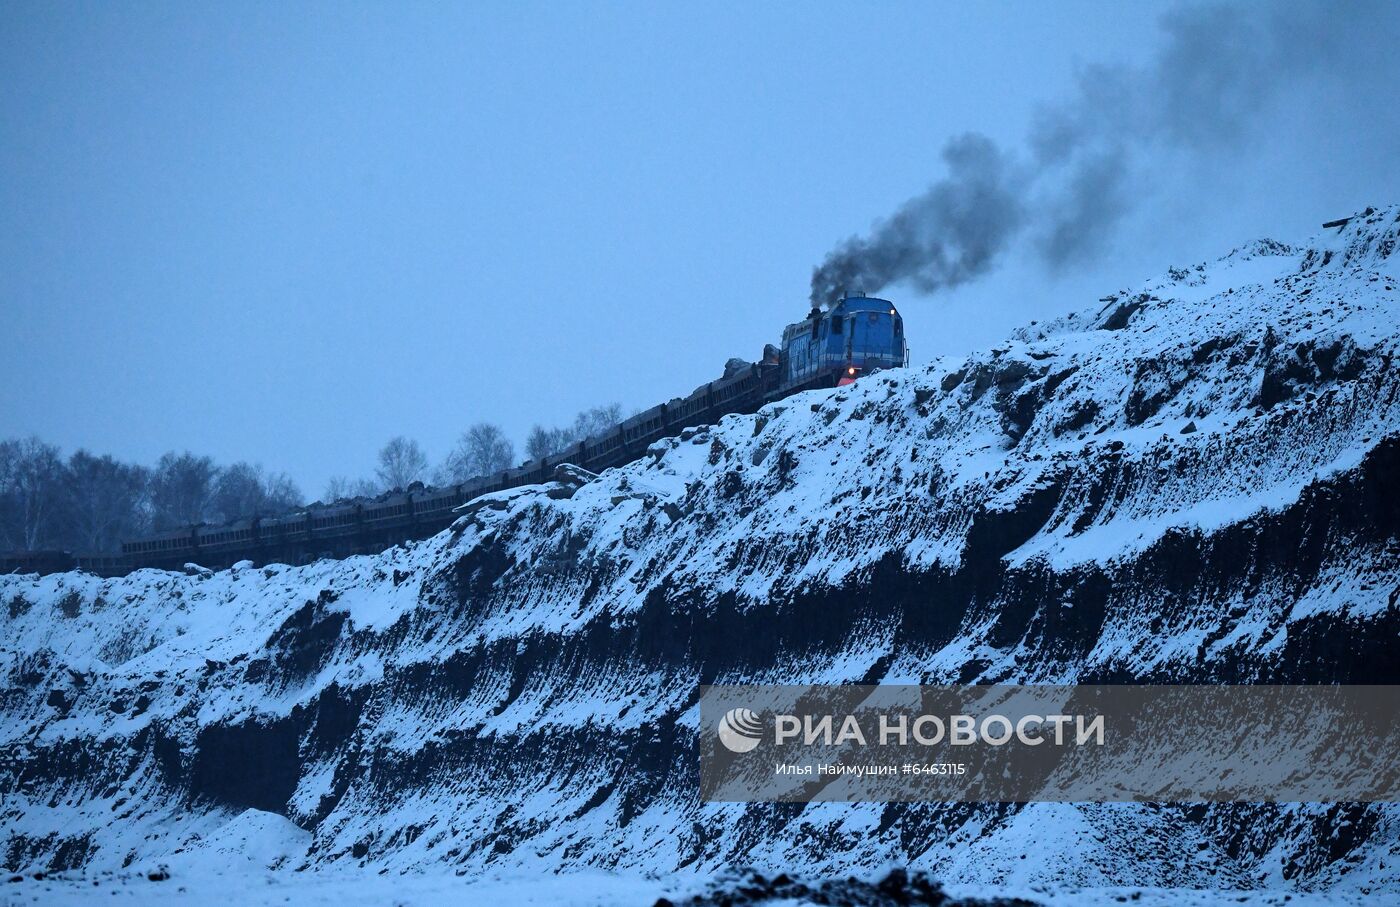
{"x":342,"y":889}
{"x":568,"y":889}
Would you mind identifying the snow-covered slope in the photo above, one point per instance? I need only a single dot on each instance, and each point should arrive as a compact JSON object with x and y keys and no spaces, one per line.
{"x":1194,"y":480}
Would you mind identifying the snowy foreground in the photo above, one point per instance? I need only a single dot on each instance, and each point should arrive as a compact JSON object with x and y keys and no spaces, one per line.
{"x":1192,"y":481}
{"x":218,"y":882}
{"x":568,"y":890}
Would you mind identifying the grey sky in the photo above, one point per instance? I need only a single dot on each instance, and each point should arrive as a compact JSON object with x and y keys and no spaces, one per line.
{"x":286,"y":233}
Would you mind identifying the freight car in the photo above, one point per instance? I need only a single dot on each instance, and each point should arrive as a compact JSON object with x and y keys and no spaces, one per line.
{"x":830,"y":347}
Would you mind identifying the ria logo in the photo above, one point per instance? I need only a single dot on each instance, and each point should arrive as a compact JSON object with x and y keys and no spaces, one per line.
{"x":740,"y":730}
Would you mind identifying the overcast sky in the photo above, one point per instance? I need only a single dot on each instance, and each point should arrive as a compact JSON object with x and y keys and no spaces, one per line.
{"x":286,"y":232}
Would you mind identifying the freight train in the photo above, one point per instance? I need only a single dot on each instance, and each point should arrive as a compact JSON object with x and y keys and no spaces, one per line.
{"x":831,"y":347}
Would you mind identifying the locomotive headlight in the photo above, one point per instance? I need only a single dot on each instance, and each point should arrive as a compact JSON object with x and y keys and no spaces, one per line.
{"x":891,"y":311}
{"x":851,"y":370}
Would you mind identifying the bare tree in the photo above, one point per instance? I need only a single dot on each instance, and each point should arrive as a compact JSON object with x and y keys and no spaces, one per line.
{"x":280,"y":493}
{"x":237,"y":492}
{"x":342,"y":488}
{"x":596,"y":421}
{"x":337,"y":489}
{"x":182,"y":490}
{"x":104,"y":502}
{"x":244,"y":491}
{"x":481,"y":451}
{"x":401,"y":463}
{"x":546,"y":442}
{"x":31,"y":493}
{"x":11,"y":521}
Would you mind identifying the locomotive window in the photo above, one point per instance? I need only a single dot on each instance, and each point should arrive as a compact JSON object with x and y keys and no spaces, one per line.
{"x":836,"y":325}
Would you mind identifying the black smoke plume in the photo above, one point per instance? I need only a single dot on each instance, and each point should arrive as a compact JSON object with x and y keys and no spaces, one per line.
{"x":1081,"y":168}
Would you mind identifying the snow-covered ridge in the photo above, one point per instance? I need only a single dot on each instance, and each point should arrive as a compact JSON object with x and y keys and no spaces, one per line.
{"x":1194,"y":479}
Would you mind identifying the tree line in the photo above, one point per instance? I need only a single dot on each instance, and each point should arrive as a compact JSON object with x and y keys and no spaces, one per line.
{"x":90,"y":502}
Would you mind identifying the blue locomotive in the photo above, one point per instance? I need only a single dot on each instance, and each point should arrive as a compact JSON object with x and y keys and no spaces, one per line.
{"x":858,"y":335}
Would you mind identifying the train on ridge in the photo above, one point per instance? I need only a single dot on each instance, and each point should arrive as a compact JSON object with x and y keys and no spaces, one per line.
{"x":830,"y":347}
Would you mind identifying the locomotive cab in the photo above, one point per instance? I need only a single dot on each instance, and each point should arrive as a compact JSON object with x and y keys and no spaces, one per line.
{"x":856,"y":336}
